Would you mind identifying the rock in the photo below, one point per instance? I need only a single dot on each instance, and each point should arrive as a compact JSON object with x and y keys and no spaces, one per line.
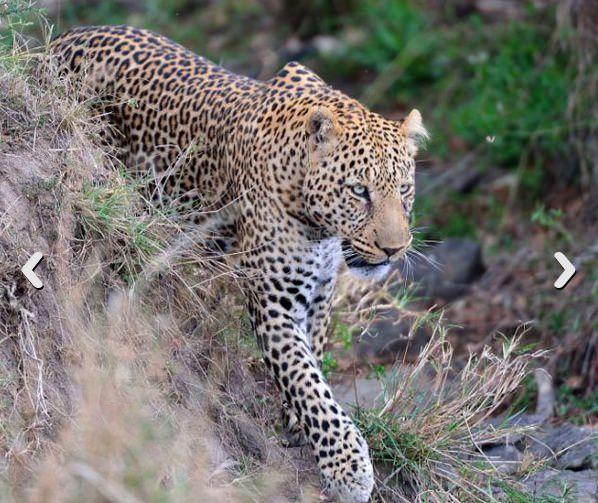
{"x":456,"y":263}
{"x":582,"y":455}
{"x":363,"y":392}
{"x":581,"y":487}
{"x":505,"y":458}
{"x":327,"y":45}
{"x":523,"y":424}
{"x":566,"y":446}
{"x":388,"y":339}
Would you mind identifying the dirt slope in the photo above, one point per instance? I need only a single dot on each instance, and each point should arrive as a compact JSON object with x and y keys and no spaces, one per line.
{"x":114,"y":385}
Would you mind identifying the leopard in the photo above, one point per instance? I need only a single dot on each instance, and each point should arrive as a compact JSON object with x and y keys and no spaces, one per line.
{"x":293,"y":176}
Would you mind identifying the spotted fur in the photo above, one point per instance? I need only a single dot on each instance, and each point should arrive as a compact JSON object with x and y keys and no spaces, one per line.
{"x":295,"y":175}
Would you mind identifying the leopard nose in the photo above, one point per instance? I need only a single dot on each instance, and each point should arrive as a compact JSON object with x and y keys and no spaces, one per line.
{"x":393,"y":251}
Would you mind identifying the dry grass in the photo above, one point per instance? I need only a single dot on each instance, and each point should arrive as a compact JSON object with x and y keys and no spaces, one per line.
{"x":360,"y":303}
{"x":429,"y":431}
{"x":127,"y":377}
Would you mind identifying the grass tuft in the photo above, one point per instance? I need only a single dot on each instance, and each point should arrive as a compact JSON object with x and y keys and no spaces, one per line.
{"x":429,"y":431}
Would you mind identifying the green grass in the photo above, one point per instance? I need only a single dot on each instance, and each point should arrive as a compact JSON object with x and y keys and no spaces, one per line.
{"x":515,"y":495}
{"x":517,"y":92}
{"x":115,"y":213}
{"x":510,"y":81}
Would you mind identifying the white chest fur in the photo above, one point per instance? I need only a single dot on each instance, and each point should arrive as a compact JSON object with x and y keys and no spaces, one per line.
{"x":327,"y":256}
{"x":324,"y":259}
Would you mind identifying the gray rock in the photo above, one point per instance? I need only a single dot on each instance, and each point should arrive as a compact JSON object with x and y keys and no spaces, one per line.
{"x":455,"y":264}
{"x":566,"y":446}
{"x":584,"y":455}
{"x":388,"y":339}
{"x":505,"y":458}
{"x":521,"y":423}
{"x":581,"y":487}
{"x":363,"y":392}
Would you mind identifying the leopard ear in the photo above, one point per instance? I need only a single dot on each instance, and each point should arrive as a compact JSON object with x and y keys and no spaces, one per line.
{"x":413,"y":127}
{"x":322,"y":129}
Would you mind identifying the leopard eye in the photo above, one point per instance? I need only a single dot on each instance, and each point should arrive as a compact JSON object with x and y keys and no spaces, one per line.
{"x":403,"y":189}
{"x":360,"y":191}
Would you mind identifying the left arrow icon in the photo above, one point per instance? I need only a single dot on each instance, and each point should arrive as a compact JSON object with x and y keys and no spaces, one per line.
{"x":28,"y":268}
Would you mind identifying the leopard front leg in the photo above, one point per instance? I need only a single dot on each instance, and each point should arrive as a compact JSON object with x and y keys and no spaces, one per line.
{"x":317,"y":324}
{"x":338,"y":446}
{"x":319,"y":315}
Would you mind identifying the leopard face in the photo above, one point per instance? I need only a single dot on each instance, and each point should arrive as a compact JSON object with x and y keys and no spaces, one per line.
{"x":360,"y":184}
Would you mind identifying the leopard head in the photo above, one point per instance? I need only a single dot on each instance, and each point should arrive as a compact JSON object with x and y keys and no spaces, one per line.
{"x":359,"y":184}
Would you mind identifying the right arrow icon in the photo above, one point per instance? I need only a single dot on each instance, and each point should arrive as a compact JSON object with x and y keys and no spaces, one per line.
{"x":568,"y":272}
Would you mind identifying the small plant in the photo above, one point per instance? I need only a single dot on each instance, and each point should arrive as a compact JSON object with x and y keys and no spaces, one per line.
{"x":329,"y":365}
{"x":579,"y":410}
{"x":379,"y":372}
{"x":344,"y":335}
{"x":551,"y":219}
{"x":548,"y":218}
{"x":14,"y":18}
